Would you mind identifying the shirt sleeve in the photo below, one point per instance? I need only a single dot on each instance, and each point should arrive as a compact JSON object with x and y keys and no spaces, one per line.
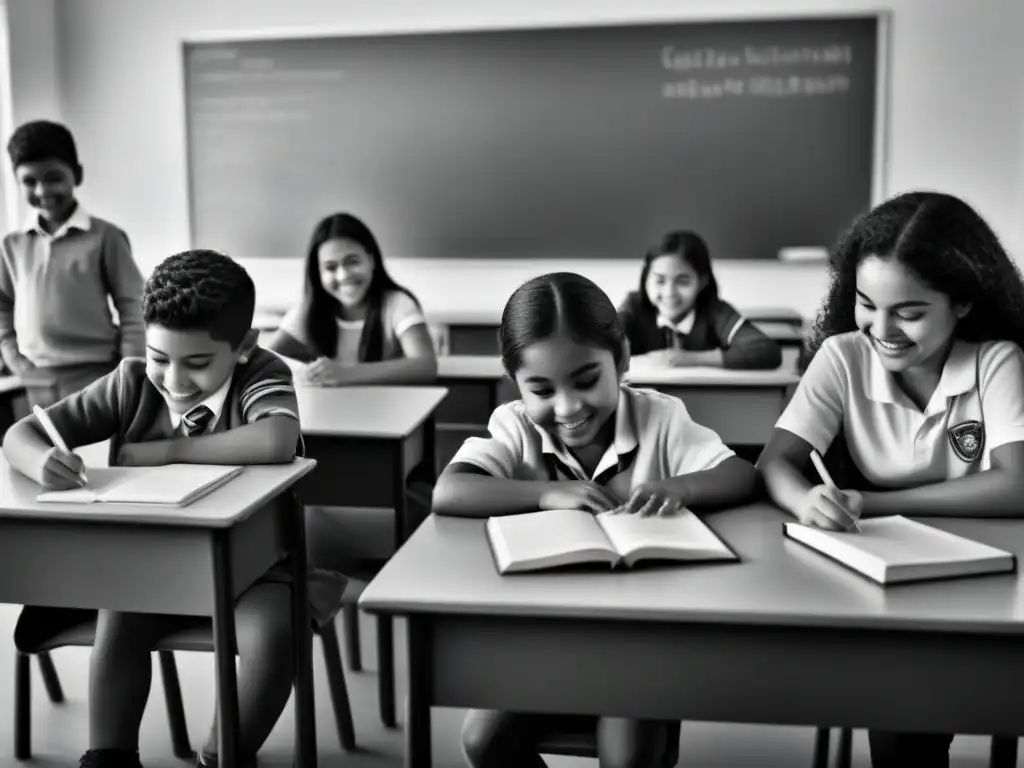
{"x":125,"y":284}
{"x":92,"y":414}
{"x":815,"y":413}
{"x":269,"y":391}
{"x":750,"y":349}
{"x":500,"y":454}
{"x":1002,"y":382}
{"x":691,"y":447}
{"x":403,"y":312}
{"x":726,"y":322}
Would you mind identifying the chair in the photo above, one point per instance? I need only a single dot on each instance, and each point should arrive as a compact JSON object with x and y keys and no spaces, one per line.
{"x":584,"y":744}
{"x":196,"y":634}
{"x":1002,"y":752}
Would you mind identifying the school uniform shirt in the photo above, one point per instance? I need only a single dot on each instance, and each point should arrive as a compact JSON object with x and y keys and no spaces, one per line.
{"x":654,"y":439}
{"x":714,"y":325}
{"x":977,"y":406}
{"x":399,"y":313}
{"x":125,"y":407}
{"x":54,"y":289}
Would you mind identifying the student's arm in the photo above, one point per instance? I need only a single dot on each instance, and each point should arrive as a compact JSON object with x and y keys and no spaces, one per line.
{"x":741,"y":344}
{"x":125,"y":284}
{"x":418,"y":365}
{"x":732,"y":482}
{"x":9,"y":351}
{"x":995,"y":492}
{"x":466,"y":490}
{"x":89,"y":416}
{"x":271,"y":440}
{"x":286,"y":345}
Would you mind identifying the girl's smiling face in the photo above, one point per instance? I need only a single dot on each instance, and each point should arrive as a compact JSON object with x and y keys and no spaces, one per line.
{"x":910,"y":324}
{"x":346,"y":270}
{"x":569,"y":389}
{"x":673,"y":286}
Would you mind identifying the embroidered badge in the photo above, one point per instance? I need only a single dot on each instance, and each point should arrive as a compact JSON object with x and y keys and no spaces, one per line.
{"x":967,"y":440}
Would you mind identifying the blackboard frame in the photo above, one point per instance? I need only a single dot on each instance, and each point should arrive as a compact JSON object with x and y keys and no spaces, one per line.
{"x":881,"y":132}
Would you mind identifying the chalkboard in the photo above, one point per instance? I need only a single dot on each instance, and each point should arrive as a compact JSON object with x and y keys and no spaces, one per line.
{"x":575,"y":142}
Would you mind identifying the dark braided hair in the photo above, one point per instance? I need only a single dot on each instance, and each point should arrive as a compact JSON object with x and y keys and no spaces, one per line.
{"x":948,"y":246}
{"x":201,"y":290}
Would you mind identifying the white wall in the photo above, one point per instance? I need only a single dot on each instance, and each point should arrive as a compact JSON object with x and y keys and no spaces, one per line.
{"x":956,"y":118}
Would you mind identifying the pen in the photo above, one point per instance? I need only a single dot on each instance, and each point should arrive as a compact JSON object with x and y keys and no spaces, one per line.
{"x":53,"y":434}
{"x":819,"y":465}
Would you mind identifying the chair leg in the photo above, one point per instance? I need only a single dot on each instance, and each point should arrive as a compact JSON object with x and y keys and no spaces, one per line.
{"x":336,"y":684}
{"x":50,"y":678}
{"x":386,"y":670}
{"x":1003,"y":752}
{"x":350,"y":614}
{"x":175,"y":709}
{"x":22,"y":707}
{"x":821,"y":740}
{"x":844,"y":758}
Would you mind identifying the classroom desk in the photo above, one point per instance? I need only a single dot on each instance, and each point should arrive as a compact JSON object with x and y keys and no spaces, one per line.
{"x":191,"y":561}
{"x":741,"y":406}
{"x":367,"y":441}
{"x":785,"y":636}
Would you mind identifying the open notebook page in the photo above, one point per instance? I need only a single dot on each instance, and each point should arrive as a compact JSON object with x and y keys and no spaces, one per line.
{"x":545,"y":537}
{"x":679,"y":532}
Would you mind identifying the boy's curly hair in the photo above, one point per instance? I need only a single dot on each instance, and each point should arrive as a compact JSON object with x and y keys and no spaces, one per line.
{"x":201,"y":290}
{"x":947,"y":244}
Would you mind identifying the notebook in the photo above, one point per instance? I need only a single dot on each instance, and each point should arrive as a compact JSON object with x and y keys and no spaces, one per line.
{"x":175,"y":485}
{"x":895,"y":549}
{"x":553,"y":538}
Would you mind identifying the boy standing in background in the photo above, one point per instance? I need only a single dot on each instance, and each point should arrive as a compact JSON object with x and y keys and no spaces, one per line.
{"x":58,"y":274}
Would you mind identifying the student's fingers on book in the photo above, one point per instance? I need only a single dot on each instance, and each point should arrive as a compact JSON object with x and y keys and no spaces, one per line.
{"x":650,"y":506}
{"x":600,"y":495}
{"x":670,"y":506}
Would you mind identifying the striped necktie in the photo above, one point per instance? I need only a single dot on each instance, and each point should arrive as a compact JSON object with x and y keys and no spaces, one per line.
{"x":195,"y":421}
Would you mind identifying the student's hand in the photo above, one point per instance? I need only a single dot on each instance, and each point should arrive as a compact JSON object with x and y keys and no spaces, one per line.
{"x":324,"y":372}
{"x":649,"y":499}
{"x":577,"y":494}
{"x":830,"y":508}
{"x":61,"y":471}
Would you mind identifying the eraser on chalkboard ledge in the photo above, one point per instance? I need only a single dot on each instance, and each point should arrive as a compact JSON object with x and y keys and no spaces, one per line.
{"x":803,"y":254}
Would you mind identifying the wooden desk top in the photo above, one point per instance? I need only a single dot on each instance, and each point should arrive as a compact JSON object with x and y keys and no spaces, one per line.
{"x":221,"y":508}
{"x":447,"y":567}
{"x":377,"y":411}
{"x":489,"y":367}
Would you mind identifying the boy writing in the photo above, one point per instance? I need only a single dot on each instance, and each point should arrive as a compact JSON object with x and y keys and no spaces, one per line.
{"x":56,"y":274}
{"x":205,"y":394}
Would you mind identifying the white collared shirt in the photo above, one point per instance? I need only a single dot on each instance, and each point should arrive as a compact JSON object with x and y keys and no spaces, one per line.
{"x":79,"y":219}
{"x":893,"y":442}
{"x":655,"y":439}
{"x":214,"y":402}
{"x":685,"y":325}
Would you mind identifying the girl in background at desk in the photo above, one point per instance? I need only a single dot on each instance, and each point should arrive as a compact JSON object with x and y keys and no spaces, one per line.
{"x":580,"y":438}
{"x":355,"y":324}
{"x":916,"y":380}
{"x":677,"y":319}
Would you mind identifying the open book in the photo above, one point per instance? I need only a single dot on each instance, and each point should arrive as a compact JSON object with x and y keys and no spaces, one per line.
{"x":174,"y":485}
{"x":537,"y":540}
{"x":896,"y":549}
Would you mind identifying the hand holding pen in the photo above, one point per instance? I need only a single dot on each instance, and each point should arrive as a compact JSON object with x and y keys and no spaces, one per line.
{"x":61,"y":469}
{"x":828,"y":507}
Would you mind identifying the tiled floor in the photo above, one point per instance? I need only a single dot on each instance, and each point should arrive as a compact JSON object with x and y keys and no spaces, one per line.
{"x":60,"y":732}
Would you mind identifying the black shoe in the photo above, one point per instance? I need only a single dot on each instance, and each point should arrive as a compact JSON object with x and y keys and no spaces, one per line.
{"x":110,"y":758}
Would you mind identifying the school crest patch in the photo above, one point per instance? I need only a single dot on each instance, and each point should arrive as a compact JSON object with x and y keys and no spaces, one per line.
{"x":967,"y":440}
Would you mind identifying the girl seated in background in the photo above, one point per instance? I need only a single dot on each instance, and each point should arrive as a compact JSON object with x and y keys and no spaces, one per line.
{"x":914,"y":388}
{"x":579,"y":438}
{"x":355,"y":324}
{"x":677,"y":319}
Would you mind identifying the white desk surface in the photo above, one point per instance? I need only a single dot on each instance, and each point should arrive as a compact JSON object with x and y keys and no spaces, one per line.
{"x":446,"y":567}
{"x":377,"y":411}
{"x":221,"y":508}
{"x":490,"y":367}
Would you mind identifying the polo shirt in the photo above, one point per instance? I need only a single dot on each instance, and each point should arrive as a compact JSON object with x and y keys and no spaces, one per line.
{"x":399,"y":313}
{"x":977,"y":406}
{"x":654,"y":439}
{"x":55,"y":293}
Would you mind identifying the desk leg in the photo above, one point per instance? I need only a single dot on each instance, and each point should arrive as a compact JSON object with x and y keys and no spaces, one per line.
{"x":305,"y":714}
{"x":224,"y":651}
{"x":417,"y":726}
{"x":403,"y":525}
